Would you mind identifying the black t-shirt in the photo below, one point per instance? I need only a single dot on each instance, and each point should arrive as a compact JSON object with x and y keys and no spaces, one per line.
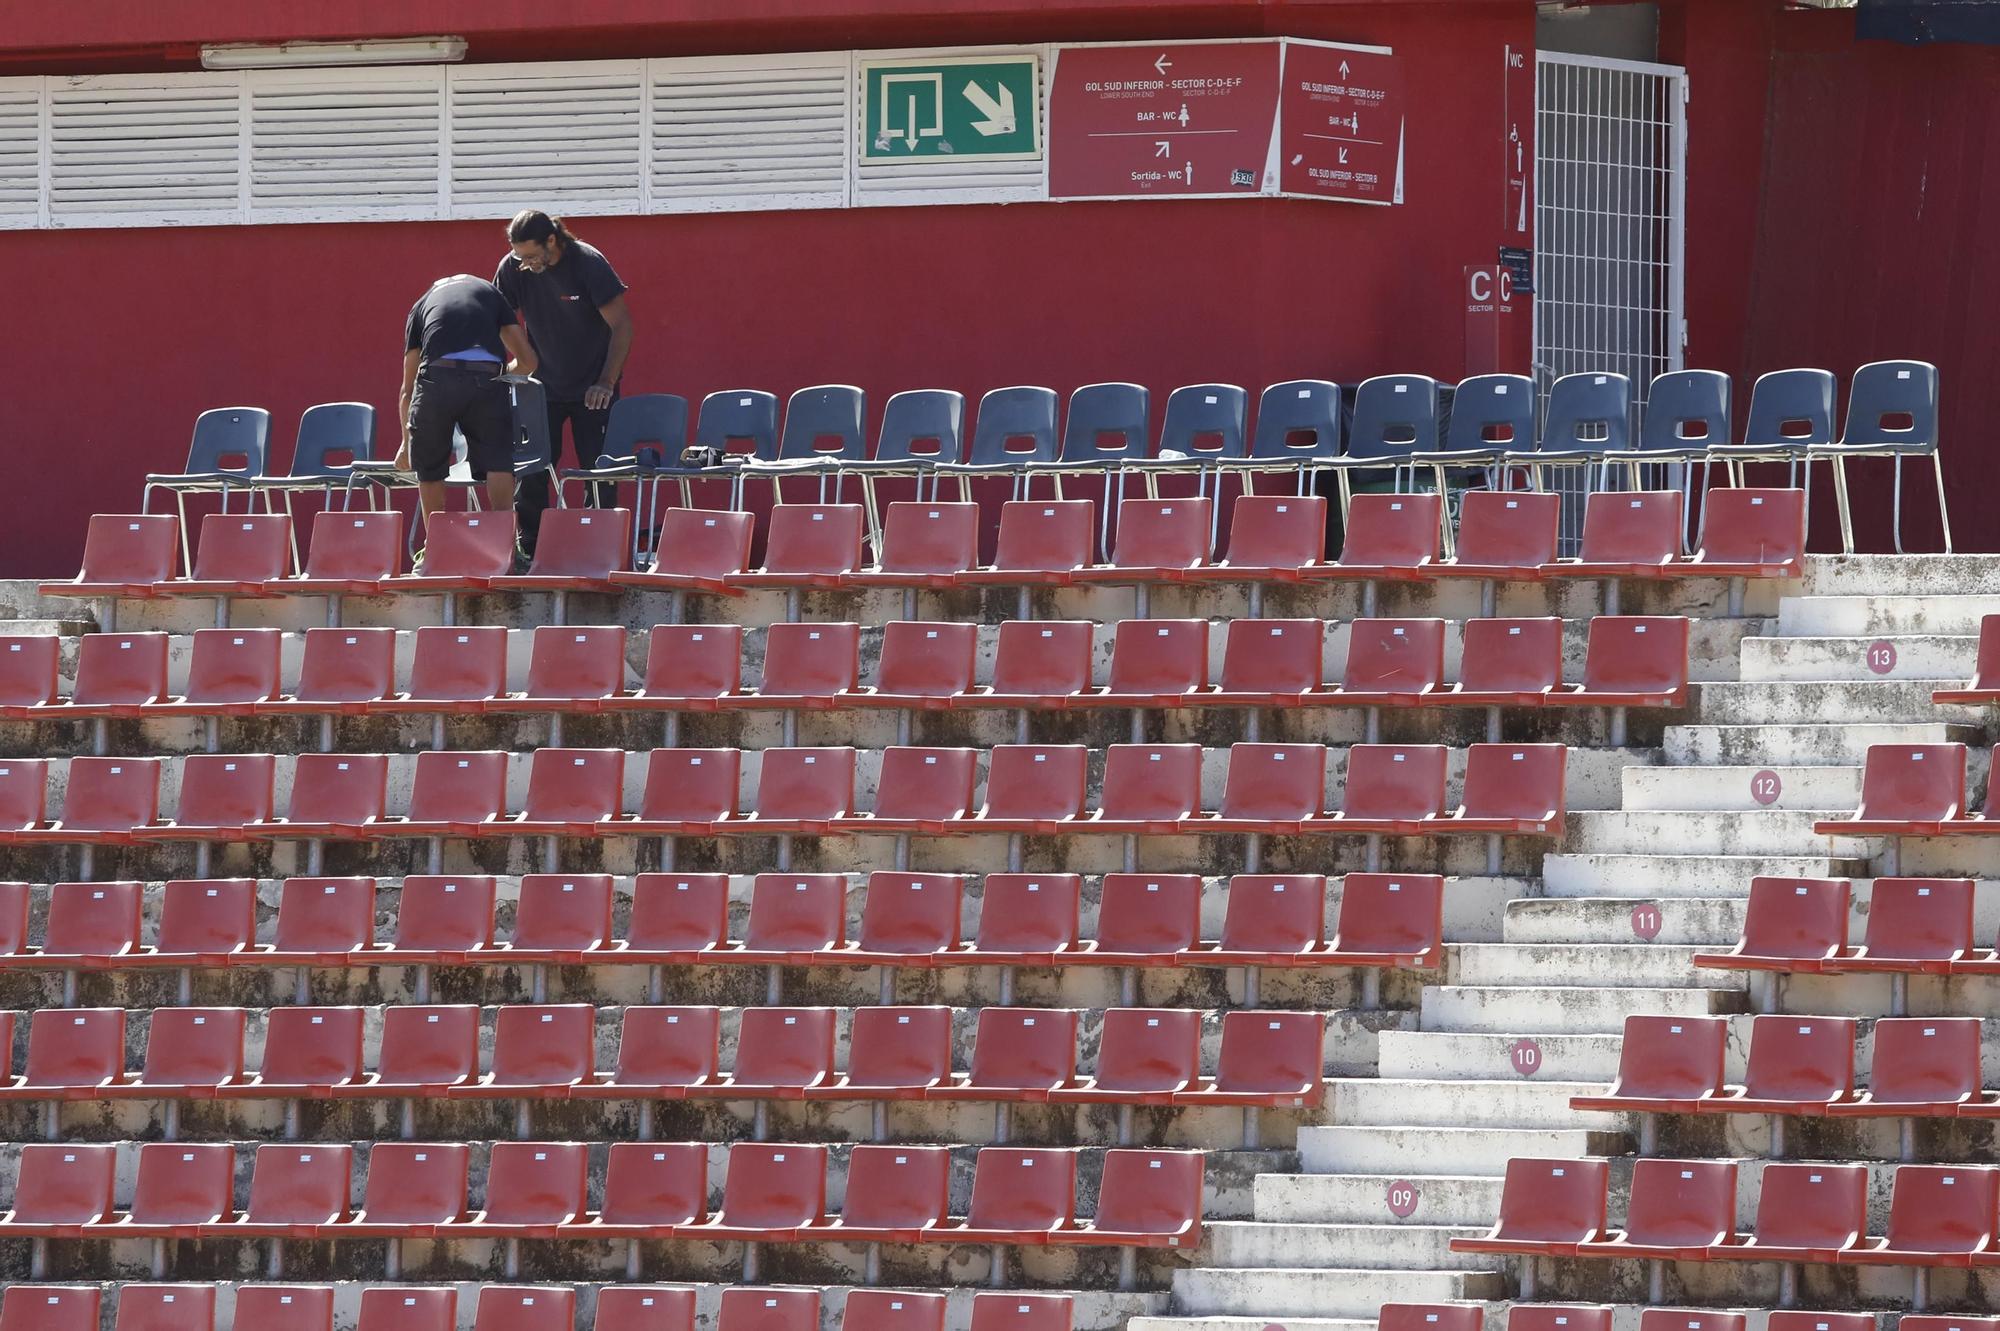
{"x":457,"y":314}
{"x":562,"y":302}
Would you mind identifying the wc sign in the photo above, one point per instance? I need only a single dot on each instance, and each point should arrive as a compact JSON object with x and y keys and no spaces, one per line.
{"x":1493,"y":342}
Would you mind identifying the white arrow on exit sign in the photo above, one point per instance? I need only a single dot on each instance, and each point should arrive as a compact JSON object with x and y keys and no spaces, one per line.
{"x":999,"y":113}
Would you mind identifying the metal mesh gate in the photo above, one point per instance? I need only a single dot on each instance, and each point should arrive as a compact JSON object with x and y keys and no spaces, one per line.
{"x":1610,"y":209}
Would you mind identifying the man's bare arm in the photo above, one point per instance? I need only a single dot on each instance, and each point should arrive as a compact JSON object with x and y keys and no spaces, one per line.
{"x":523,"y":351}
{"x":411,"y":359}
{"x":615,"y":313}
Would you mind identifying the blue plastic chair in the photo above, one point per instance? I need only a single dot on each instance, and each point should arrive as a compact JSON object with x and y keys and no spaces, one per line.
{"x":1286,"y":411}
{"x":1121,"y":411}
{"x":1589,"y":414}
{"x":1025,"y":413}
{"x":922,"y":430}
{"x":1882,"y":392}
{"x":220,"y":435}
{"x":1687,"y":414}
{"x":1197,"y":413}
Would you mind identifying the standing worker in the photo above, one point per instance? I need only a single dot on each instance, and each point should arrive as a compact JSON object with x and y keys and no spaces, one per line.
{"x":582,"y":333}
{"x":461,"y":336}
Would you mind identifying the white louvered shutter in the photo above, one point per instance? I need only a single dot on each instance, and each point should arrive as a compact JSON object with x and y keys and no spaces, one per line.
{"x":345,"y":146}
{"x":766,"y":131}
{"x":966,"y":180}
{"x":559,"y":137}
{"x":144,"y":150}
{"x":20,"y":152}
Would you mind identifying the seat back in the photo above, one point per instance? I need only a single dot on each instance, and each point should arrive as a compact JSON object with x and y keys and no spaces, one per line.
{"x":1817,"y":1205}
{"x":1163,"y":533}
{"x":1009,"y":418}
{"x":211,"y":916}
{"x":922,"y":425}
{"x":121,"y":668}
{"x":1159,"y":656}
{"x":1430,"y":1317}
{"x":645,"y":1307}
{"x":297,"y":1307}
{"x":654,"y":1183}
{"x":1591,"y":411}
{"x":223,"y":790}
{"x":24,"y":803}
{"x":475,"y":544}
{"x":230,"y":441}
{"x":691,"y":785}
{"x":1511,"y":655}
{"x":300,"y":1184}
{"x":1276,"y":531}
{"x":1685,"y":1203}
{"x":825,"y":422}
{"x":64,"y":1183}
{"x":1793,"y":1319}
{"x":784,"y":1047}
{"x":774,"y":1185}
{"x":582,"y":543}
{"x":1272,"y":1053}
{"x":1044,"y":535}
{"x":407,"y":1308}
{"x":563,"y":912}
{"x":896,"y":1187}
{"x":1152,"y":781}
{"x":93,"y":919}
{"x":49,"y":1308}
{"x":1807,"y":1059}
{"x":1394,"y":415}
{"x":325,"y":915}
{"x":1205,"y":421}
{"x":813,"y":539}
{"x":935,"y":538}
{"x":347,"y":665}
{"x":1024,"y":1049}
{"x":797,"y":912}
{"x":458,"y":787}
{"x":1893,"y":403}
{"x":569,"y":662}
{"x":1915,"y":782}
{"x":927,"y":659}
{"x":416,"y":1184}
{"x":1030,"y":912}
{"x":1148,"y":1051}
{"x":679,"y":912}
{"x":1791,"y":408}
{"x":13,"y":920}
{"x":531,"y":1308}
{"x":354,"y":547}
{"x":1397,"y":781}
{"x":433,"y":1045}
{"x":1637,"y":654}
{"x":1043,"y":658}
{"x":312,"y":1046}
{"x":1552,"y":1201}
{"x":1394,"y":656}
{"x":1152,"y":1193}
{"x":1298,"y":420}
{"x":1277,"y":782}
{"x":659,"y":419}
{"x":445,"y":913}
{"x":194,"y":1046}
{"x":1272,"y":655}
{"x":1011,"y":1311}
{"x":769,"y":1310}
{"x":134,"y":549}
{"x":29,"y":669}
{"x":1920,"y":919}
{"x":1558,"y":1317}
{"x":1490,"y":411}
{"x":76,"y":1048}
{"x":899,"y":1048}
{"x":694,"y":661}
{"x":166,"y":1308}
{"x":806,"y":783}
{"x":812,"y":659}
{"x":1671,"y":1057}
{"x":554,"y":1045}
{"x":1274,"y":912}
{"x":892,"y":1310}
{"x":1107,"y":423}
{"x":1686,"y":409}
{"x":536,"y":1183}
{"x":913,"y":913}
{"x":1942,"y":1208}
{"x":1632,"y":527}
{"x":704,"y":543}
{"x":459,"y":664}
{"x":111,"y":794}
{"x":1149,"y":913}
{"x":1924,"y":1060}
{"x":576,"y":786}
{"x":234,"y":665}
{"x":669,"y":1046}
{"x":1391,"y":530}
{"x":1745,"y":526}
{"x":1393,"y":913}
{"x":1522,"y":782}
{"x":1016,"y":1189}
{"x":1510,"y":529}
{"x":243,"y":547}
{"x":343,"y":788}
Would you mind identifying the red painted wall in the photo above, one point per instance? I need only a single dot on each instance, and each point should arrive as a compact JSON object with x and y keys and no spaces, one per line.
{"x":135,"y":331}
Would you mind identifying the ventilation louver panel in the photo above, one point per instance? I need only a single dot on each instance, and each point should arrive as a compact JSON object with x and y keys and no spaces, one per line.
{"x":20,"y":152}
{"x":750,"y":132}
{"x":366,"y":144}
{"x":139,"y":151}
{"x":560,"y":137}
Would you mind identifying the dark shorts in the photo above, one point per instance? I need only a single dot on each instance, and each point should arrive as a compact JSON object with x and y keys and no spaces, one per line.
{"x":476,"y":402}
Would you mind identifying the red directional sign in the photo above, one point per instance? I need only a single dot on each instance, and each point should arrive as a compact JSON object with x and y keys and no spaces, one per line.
{"x":1162,"y":121}
{"x":1341,"y":118}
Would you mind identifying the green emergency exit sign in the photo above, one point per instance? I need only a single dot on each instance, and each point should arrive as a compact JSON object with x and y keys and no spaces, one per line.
{"x":940,"y":108}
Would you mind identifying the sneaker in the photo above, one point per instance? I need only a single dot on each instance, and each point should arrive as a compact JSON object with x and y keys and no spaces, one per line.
{"x":417,"y":564}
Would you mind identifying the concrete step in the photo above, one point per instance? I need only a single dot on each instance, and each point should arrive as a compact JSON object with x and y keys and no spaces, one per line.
{"x":1376,"y":1199}
{"x":1249,"y":1324}
{"x":1931,"y":657}
{"x":1881,"y":616}
{"x":1835,"y":702}
{"x":1918,"y":574}
{"x":1251,"y":1243}
{"x":1699,"y":922}
{"x":1650,"y":789}
{"x":1603,"y":966}
{"x":1797,"y":746}
{"x":1642,"y":877}
{"x":1509,"y":1103}
{"x":1563,"y":1011}
{"x":1337,"y":1294}
{"x":1442,"y":1151}
{"x":1471,"y":1056}
{"x":1709,"y":832}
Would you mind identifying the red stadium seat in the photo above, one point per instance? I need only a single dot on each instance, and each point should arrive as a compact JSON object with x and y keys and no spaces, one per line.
{"x":572,"y":792}
{"x":1392,"y":662}
{"x":1269,"y":920}
{"x":1028,"y":919}
{"x":1391,"y":789}
{"x":1984,"y":687}
{"x":1626,"y":534}
{"x":1430,"y":1316}
{"x":1805,"y":1213}
{"x":649,"y":1188}
{"x":1145,"y":1056}
{"x":922,"y":791}
{"x":24,"y":808}
{"x":29,"y":673}
{"x":1269,"y":663}
{"x":1271,"y":789}
{"x":771,"y":1191}
{"x":1149,"y":789}
{"x":1939,"y":1215}
{"x":570,"y":669}
{"x":1513,"y":788}
{"x":1678,"y":1211}
{"x":1157,"y":663}
{"x":664,"y":1053}
{"x":230,"y":672}
{"x":1558,"y":1317}
{"x":192,"y":1053}
{"x":1039,"y":664}
{"x":1797,"y":1065}
{"x":308,"y":1053}
{"x":1686,"y":1319}
{"x":699,"y":550}
{"x":1033,"y":788}
{"x":1750,"y":534}
{"x":893,"y":1053}
{"x":795,"y":919}
{"x":1793,"y":1319}
{"x":207,"y":921}
{"x":238,"y":553}
{"x":455,"y":669}
{"x":344,"y":672}
{"x":1633,"y":661}
{"x":335,"y":795}
{"x":1158,"y":540}
{"x":1547,"y":1208}
{"x":644,"y":1308}
{"x":1506,"y":663}
{"x":166,"y":1308}
{"x":1666,"y":1065}
{"x":1923,"y":1066}
{"x":426,"y":1051}
{"x":297,"y":1307}
{"x":925,"y":666}
{"x":1146,"y":919}
{"x":1272,"y":538}
{"x":92,"y":923}
{"x":455,"y":793}
{"x":746,"y":1309}
{"x":562,"y":919}
{"x":802,"y":792}
{"x":118,"y":675}
{"x":350,"y":552}
{"x":296,"y":1189}
{"x":577,"y":550}
{"x":463,"y":551}
{"x":1916,"y":926}
{"x":540,"y":1053}
{"x":1791,"y":924}
{"x":532,"y":1190}
{"x":412,"y":1189}
{"x":1504,"y":536}
{"x":688,"y":792}
{"x":1021,"y":1196}
{"x":73,"y":1054}
{"x":809,"y":666}
{"x":49,"y":1307}
{"x":924,"y":545}
{"x":895,"y":1194}
{"x":408,"y":1308}
{"x":1019,"y":1055}
{"x":323,"y":921}
{"x":1389,"y":919}
{"x":1042,"y":543}
{"x":1946,"y":1322}
{"x":780,"y":1052}
{"x":13,"y":922}
{"x":223,"y":797}
{"x":124,"y":554}
{"x":809,"y":545}
{"x":892,"y":1310}
{"x":909,"y":919}
{"x":1148,"y":1199}
{"x":442,"y":918}
{"x":181,"y":1189}
{"x":1268,"y":1059}
{"x":59,"y":1188}
{"x":678,"y":916}
{"x":530,"y":1308}
{"x":1389,"y":536}
{"x":1010,"y":1311}
{"x":1906,"y":790}
{"x":689,"y":668}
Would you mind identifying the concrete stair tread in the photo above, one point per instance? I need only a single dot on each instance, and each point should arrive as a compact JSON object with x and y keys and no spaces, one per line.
{"x":1625,"y":965}
{"x":1329,"y":1292}
{"x":1563,"y":1009}
{"x":1440,"y":1055}
{"x":1236,"y":1244}
{"x":1377,"y":1199}
{"x":1419,"y":1152}
{"x":1570,"y":875}
{"x":1765,"y":744}
{"x":1510,"y":1102}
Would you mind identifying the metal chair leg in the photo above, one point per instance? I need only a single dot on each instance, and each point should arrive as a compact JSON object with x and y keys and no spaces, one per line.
{"x":1944,"y":518}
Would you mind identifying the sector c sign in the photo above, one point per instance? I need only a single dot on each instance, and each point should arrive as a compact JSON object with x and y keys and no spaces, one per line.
{"x":941,"y":108}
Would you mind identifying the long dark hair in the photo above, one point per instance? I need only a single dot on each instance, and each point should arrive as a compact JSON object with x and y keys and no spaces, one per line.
{"x":534,"y":224}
